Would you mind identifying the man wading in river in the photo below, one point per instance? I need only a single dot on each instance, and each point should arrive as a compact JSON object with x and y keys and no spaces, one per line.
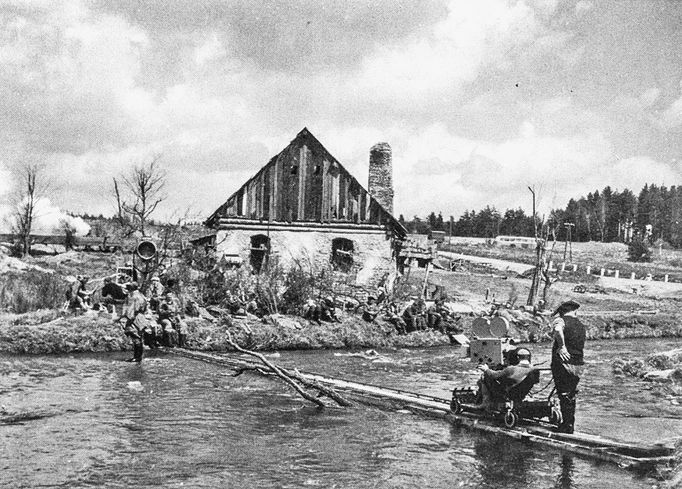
{"x":136,"y":322}
{"x":567,"y":360}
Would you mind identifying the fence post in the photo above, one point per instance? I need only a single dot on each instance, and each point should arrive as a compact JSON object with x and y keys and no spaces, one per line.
{"x":601,"y":272}
{"x":588,"y":270}
{"x":575,"y":268}
{"x":632,"y":276}
{"x":616,"y":273}
{"x":563,"y":266}
{"x":665,"y":278}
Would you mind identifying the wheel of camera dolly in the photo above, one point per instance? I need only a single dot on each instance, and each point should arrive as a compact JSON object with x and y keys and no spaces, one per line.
{"x":555,"y":417}
{"x":455,"y":406}
{"x":510,"y":419}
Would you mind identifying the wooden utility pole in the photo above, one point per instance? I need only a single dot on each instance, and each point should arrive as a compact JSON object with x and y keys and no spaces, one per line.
{"x":450,"y":237}
{"x":537,"y":273}
{"x":568,"y":242}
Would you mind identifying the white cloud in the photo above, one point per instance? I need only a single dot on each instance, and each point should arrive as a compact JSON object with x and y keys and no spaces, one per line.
{"x":210,"y":50}
{"x":65,"y":75}
{"x":94,"y":93}
{"x":582,"y":7}
{"x":671,"y":117}
{"x":636,"y":171}
{"x":649,"y":97}
{"x":470,"y":174}
{"x":473,"y":36}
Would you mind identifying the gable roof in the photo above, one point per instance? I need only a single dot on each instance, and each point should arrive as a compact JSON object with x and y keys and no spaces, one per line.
{"x":305,"y":183}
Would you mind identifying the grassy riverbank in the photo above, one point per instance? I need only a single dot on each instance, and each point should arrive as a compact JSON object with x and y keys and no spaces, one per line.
{"x":48,"y":331}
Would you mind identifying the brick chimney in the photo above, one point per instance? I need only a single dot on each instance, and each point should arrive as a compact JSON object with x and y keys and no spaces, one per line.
{"x":381,"y":175}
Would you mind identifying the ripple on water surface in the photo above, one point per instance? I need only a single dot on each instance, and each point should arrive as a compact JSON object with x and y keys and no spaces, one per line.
{"x":174,"y":422}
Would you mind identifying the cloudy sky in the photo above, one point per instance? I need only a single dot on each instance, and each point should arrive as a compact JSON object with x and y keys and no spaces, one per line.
{"x":478,"y":99}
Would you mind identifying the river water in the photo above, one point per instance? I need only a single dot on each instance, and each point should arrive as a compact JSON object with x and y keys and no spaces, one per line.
{"x":174,"y":422}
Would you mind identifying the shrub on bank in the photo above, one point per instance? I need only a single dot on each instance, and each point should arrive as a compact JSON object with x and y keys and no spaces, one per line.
{"x":661,"y":366}
{"x":638,"y":250}
{"x":30,"y":290}
{"x":632,"y":326}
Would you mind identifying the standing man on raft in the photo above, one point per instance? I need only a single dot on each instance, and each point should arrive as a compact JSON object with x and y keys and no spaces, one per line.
{"x":567,"y":360}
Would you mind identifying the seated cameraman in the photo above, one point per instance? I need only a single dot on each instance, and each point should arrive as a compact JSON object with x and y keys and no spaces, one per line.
{"x":496,"y":385}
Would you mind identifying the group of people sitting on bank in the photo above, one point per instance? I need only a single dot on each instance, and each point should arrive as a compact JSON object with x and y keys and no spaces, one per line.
{"x":321,"y":309}
{"x":153,"y":318}
{"x":416,"y":316}
{"x":413,"y":316}
{"x":239,"y":303}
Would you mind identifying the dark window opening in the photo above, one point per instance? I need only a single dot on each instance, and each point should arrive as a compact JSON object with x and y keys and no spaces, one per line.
{"x":260,"y":250}
{"x":342,"y":254}
{"x":316,"y":170}
{"x":294,"y":170}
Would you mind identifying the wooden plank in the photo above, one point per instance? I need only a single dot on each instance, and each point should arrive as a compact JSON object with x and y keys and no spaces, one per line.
{"x":342,"y":197}
{"x":251,"y":190}
{"x":275,"y":197}
{"x":266,"y":194}
{"x":368,"y":207}
{"x":240,"y":203}
{"x":247,"y":201}
{"x":314,"y":187}
{"x":334,"y":212}
{"x":292,"y":184}
{"x":302,"y":190}
{"x":325,"y":203}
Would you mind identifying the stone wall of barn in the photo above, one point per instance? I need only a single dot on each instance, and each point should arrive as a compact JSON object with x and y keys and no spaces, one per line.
{"x":372,"y":250}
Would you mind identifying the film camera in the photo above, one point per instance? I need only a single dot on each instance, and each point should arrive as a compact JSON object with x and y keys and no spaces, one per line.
{"x":491,"y":343}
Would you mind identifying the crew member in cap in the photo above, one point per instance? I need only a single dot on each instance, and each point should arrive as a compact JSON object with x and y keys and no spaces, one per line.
{"x":155,"y":293}
{"x":567,"y":360}
{"x":135,"y":321}
{"x":495,"y":385}
{"x":82,"y":297}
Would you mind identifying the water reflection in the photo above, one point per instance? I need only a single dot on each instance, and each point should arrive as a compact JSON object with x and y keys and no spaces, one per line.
{"x":565,"y":479}
{"x":502,"y":459}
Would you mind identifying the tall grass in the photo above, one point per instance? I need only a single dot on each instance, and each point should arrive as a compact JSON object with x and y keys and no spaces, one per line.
{"x":31,"y":290}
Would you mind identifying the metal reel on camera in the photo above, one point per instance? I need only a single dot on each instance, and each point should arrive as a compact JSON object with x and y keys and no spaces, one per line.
{"x":510,"y":419}
{"x":456,"y":406}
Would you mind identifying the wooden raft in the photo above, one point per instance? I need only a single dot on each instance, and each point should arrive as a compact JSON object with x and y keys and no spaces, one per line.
{"x":627,"y":455}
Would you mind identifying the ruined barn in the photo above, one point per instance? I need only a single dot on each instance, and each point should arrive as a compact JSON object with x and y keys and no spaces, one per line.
{"x":304,"y":205}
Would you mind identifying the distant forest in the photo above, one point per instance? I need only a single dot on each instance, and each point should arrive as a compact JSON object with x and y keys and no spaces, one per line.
{"x":607,"y":215}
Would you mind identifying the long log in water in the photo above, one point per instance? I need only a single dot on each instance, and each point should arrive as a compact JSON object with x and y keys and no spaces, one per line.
{"x":629,"y":455}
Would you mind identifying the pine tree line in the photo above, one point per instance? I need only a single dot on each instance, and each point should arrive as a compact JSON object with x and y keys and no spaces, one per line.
{"x":607,"y":215}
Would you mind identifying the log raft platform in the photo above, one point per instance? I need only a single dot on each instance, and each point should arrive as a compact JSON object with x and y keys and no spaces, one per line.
{"x":627,"y":455}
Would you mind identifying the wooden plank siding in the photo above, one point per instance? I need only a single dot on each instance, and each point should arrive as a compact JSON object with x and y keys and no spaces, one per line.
{"x":304,"y":183}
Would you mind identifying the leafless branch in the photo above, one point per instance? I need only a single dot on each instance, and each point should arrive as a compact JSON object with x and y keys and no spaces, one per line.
{"x":145,"y":185}
{"x":292,"y":377}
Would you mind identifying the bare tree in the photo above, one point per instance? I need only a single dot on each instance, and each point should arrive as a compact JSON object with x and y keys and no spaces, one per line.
{"x":144,"y":191}
{"x":31,"y":187}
